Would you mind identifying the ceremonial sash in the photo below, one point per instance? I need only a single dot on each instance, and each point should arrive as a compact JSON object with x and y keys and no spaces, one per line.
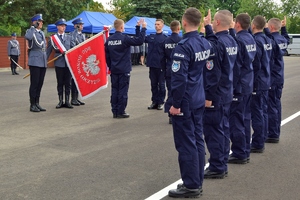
{"x":58,"y":43}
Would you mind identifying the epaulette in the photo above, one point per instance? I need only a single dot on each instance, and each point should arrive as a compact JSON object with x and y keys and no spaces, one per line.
{"x":181,"y":42}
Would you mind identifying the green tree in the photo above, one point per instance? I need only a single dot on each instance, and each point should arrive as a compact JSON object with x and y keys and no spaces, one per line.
{"x":291,"y":8}
{"x":265,"y":8}
{"x":231,"y":5}
{"x":167,"y":10}
{"x":19,"y":12}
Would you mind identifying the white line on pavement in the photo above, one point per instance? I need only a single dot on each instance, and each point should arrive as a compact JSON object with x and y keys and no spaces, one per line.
{"x":162,"y":193}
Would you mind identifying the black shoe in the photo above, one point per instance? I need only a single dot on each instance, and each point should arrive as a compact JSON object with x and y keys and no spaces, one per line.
{"x":16,"y":73}
{"x":210,"y":174}
{"x":74,"y":102}
{"x":68,"y":105}
{"x":234,"y":160}
{"x":183,"y":192}
{"x":81,"y":102}
{"x":39,"y":107}
{"x":272,"y":140}
{"x":59,"y":105}
{"x":248,"y":159}
{"x":115,"y":115}
{"x":152,"y":106}
{"x":170,"y":120}
{"x":33,"y":108}
{"x":256,"y":150}
{"x":124,"y":115}
{"x":160,"y":106}
{"x":226,"y":174}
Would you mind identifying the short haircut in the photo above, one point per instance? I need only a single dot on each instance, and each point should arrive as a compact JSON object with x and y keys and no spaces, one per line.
{"x":174,"y":25}
{"x":259,"y":22}
{"x":118,"y":23}
{"x":224,"y":16}
{"x":244,"y":19}
{"x":160,"y":20}
{"x":192,"y":16}
{"x":276,"y":23}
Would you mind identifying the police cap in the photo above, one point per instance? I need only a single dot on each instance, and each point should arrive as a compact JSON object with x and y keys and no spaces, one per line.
{"x":77,"y":21}
{"x":14,"y":34}
{"x":37,"y":17}
{"x":61,"y":21}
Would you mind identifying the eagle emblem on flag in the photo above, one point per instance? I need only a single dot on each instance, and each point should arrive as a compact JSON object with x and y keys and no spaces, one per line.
{"x":91,"y":65}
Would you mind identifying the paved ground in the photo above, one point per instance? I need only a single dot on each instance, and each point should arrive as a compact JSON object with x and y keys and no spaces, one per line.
{"x":83,"y":153}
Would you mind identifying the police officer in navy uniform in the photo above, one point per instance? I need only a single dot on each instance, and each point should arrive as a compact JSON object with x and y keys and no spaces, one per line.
{"x":37,"y":61}
{"x":240,"y":112}
{"x":77,"y":37}
{"x":218,"y":75}
{"x":156,"y":63}
{"x":170,"y":44}
{"x":117,"y":51}
{"x":277,"y":76}
{"x":13,"y":51}
{"x":63,"y":75}
{"x":261,"y":68}
{"x":187,"y":89}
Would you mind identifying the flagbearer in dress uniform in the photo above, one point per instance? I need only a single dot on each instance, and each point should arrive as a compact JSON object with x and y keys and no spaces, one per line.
{"x":13,"y":51}
{"x":37,"y":61}
{"x":63,"y":75}
{"x":77,"y":37}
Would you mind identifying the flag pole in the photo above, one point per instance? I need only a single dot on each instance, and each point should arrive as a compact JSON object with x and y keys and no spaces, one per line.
{"x":47,"y":63}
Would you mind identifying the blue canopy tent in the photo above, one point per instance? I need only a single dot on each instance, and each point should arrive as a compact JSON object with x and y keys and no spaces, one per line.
{"x":93,"y":22}
{"x":150,"y":26}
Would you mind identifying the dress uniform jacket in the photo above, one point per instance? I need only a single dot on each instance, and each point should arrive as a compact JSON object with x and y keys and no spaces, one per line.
{"x":117,"y":49}
{"x":156,"y":56}
{"x":37,"y":47}
{"x":13,"y":48}
{"x":66,"y":41}
{"x":76,"y":38}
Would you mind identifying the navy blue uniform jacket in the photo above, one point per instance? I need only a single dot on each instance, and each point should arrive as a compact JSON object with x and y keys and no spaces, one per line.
{"x":243,"y":69}
{"x":170,"y":44}
{"x":117,"y":50}
{"x":219,"y":68}
{"x":189,"y":59}
{"x":277,"y":67}
{"x":261,"y":63}
{"x":155,"y":56}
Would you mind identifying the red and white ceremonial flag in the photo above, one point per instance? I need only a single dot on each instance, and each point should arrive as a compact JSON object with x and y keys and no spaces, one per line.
{"x":58,"y":43}
{"x":87,"y":65}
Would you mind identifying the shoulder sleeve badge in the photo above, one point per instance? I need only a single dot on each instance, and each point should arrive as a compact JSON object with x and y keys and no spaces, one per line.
{"x":209,"y":64}
{"x":175,"y":66}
